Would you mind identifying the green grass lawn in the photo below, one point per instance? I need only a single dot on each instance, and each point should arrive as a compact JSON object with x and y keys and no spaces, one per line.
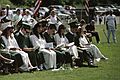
{"x":107,"y":70}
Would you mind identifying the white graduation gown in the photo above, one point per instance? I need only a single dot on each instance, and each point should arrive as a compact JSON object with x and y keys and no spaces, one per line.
{"x":49,"y":55}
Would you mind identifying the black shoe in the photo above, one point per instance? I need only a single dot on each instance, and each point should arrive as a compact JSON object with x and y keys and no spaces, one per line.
{"x":33,"y":69}
{"x":92,"y":66}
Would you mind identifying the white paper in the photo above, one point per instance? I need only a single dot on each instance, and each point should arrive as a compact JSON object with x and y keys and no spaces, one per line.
{"x":70,"y":44}
{"x":49,"y":45}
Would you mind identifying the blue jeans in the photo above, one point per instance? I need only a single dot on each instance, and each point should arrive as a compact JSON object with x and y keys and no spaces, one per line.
{"x":113,"y":35}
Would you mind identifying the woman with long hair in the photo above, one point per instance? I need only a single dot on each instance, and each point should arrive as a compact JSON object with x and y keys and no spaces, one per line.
{"x":12,"y":45}
{"x":39,"y":42}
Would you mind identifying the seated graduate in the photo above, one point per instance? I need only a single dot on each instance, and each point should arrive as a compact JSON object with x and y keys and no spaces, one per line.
{"x":84,"y":43}
{"x":49,"y":37}
{"x":82,"y":54}
{"x":5,"y":64}
{"x":23,"y":39}
{"x":63,"y":43}
{"x":6,"y":53}
{"x":39,"y":42}
{"x":11,"y":44}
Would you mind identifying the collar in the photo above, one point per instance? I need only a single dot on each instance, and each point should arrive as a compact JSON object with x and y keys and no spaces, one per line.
{"x":21,"y":33}
{"x":71,"y":32}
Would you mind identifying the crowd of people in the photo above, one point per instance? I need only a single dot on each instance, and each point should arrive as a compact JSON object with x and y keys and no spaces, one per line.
{"x":29,"y":44}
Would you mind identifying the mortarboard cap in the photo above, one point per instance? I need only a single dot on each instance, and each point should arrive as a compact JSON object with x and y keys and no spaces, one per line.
{"x":26,"y":25}
{"x":73,"y":24}
{"x":6,"y":25}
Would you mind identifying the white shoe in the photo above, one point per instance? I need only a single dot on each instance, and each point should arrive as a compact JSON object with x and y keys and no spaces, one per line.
{"x":61,"y":68}
{"x":70,"y":69}
{"x":98,"y":59}
{"x":55,"y":69}
{"x":10,"y":62}
{"x":104,"y":58}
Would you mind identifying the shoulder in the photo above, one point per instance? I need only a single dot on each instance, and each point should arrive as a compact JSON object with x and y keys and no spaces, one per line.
{"x":17,"y":34}
{"x":87,"y":25}
{"x":46,"y":34}
{"x":32,"y":36}
{"x":56,"y":35}
{"x":113,"y":15}
{"x":68,"y":33}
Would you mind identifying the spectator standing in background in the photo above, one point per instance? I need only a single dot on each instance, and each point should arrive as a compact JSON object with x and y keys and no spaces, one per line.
{"x":111,"y":26}
{"x":8,"y":12}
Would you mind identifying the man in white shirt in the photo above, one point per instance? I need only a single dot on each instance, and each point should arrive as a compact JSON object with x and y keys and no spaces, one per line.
{"x":17,"y":19}
{"x":111,"y":26}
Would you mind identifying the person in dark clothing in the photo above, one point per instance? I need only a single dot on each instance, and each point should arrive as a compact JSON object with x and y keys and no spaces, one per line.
{"x":91,"y":29}
{"x":49,"y":37}
{"x":24,"y":43}
{"x":72,"y":36}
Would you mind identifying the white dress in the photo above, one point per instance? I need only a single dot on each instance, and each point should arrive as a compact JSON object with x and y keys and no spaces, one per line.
{"x":26,"y":18}
{"x":12,"y":43}
{"x":62,"y":41}
{"x":54,"y":20}
{"x":91,"y":47}
{"x":49,"y":55}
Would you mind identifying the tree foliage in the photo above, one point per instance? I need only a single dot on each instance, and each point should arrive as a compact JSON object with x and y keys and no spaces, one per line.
{"x":66,"y":2}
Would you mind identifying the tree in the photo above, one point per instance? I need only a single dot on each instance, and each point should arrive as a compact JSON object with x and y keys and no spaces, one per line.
{"x":18,"y":2}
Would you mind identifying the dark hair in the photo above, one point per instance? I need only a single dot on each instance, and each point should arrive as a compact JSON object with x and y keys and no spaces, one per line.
{"x":35,"y":32}
{"x":73,"y":25}
{"x":82,"y":21}
{"x":52,"y":26}
{"x":59,"y":30}
{"x":4,"y":32}
{"x":17,"y":10}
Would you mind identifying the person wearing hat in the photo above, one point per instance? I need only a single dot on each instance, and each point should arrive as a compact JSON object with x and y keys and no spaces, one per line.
{"x":111,"y":26}
{"x":23,"y":39}
{"x":83,"y":42}
{"x":63,"y":43}
{"x":44,"y":24}
{"x":72,"y":32}
{"x":72,"y":36}
{"x":11,"y":44}
{"x":17,"y":57}
{"x":91,"y":29}
{"x":49,"y":37}
{"x":39,"y":42}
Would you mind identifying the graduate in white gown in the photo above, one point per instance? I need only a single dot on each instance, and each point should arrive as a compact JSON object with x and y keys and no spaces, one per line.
{"x":84,"y":43}
{"x":12,"y":46}
{"x":38,"y":41}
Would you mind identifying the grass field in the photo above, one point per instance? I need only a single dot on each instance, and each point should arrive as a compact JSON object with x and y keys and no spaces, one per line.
{"x":107,"y":70}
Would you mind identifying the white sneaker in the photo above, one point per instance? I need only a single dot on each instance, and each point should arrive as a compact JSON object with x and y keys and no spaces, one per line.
{"x":55,"y":69}
{"x":61,"y":68}
{"x":104,"y":58}
{"x":98,"y":59}
{"x":10,"y":62}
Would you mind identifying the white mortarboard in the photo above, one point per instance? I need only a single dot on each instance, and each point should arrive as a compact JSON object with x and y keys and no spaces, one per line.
{"x":5,"y":25}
